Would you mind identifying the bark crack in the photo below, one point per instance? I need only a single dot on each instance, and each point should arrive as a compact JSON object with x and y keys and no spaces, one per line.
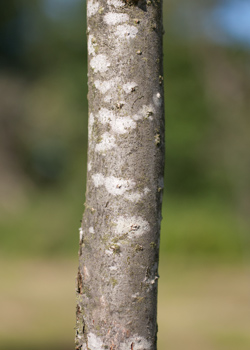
{"x":138,"y":98}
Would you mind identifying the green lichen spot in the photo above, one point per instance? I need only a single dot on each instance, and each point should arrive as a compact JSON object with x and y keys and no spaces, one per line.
{"x":139,"y":299}
{"x":160,"y":79}
{"x":157,"y":139}
{"x":131,"y":2}
{"x":138,"y":248}
{"x":105,"y":238}
{"x":113,"y":281}
{"x":120,"y":238}
{"x":153,"y":245}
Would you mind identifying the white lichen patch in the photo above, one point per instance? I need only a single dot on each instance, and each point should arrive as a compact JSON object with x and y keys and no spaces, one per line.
{"x":106,"y":116}
{"x":91,"y":230}
{"x":103,"y":301}
{"x":118,"y":186}
{"x":100,"y":63}
{"x":119,"y":125}
{"x":98,"y":180}
{"x":136,"y":343}
{"x":125,"y":31}
{"x":133,"y":197}
{"x":136,"y":196}
{"x":135,"y":296}
{"x":134,"y":226}
{"x":91,"y":119}
{"x":85,"y":273}
{"x":112,"y":18}
{"x":115,"y":186}
{"x":91,"y":45}
{"x":113,"y":268}
{"x":129,"y":87}
{"x":157,"y":98}
{"x":145,"y":112}
{"x":89,"y":166}
{"x":80,"y":233}
{"x":107,"y":142}
{"x":105,"y":86}
{"x":122,"y":125}
{"x":94,"y":342}
{"x":108,"y":252}
{"x":115,"y":3}
{"x":92,"y":8}
{"x":146,"y":190}
{"x":107,"y":99}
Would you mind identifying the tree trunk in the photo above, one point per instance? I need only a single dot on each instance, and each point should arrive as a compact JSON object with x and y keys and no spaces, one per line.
{"x":119,"y":238}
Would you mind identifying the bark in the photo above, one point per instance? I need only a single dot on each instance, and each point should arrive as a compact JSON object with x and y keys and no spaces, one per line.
{"x":119,"y":238}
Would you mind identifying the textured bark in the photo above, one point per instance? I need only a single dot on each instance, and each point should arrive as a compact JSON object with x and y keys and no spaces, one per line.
{"x":119,"y":238}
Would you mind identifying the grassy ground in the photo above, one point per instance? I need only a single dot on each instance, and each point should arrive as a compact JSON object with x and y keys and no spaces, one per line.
{"x":204,"y":306}
{"x":201,"y":306}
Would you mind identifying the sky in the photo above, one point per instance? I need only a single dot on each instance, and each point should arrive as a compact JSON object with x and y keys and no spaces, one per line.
{"x":233,"y":17}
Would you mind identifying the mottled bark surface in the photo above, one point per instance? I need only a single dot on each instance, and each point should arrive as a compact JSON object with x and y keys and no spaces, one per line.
{"x":119,"y":237}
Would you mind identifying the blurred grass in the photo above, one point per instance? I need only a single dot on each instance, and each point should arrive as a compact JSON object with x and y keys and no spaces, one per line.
{"x":202,"y":306}
{"x":37,"y":304}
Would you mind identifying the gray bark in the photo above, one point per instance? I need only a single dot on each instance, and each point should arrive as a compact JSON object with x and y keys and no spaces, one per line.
{"x":119,"y":238}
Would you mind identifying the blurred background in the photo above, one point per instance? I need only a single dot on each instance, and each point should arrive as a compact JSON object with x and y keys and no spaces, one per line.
{"x":204,"y":289}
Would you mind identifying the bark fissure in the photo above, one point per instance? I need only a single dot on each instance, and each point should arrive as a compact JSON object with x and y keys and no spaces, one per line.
{"x":119,"y":237}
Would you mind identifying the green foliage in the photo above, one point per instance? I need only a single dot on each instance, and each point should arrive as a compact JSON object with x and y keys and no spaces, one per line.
{"x":201,"y":227}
